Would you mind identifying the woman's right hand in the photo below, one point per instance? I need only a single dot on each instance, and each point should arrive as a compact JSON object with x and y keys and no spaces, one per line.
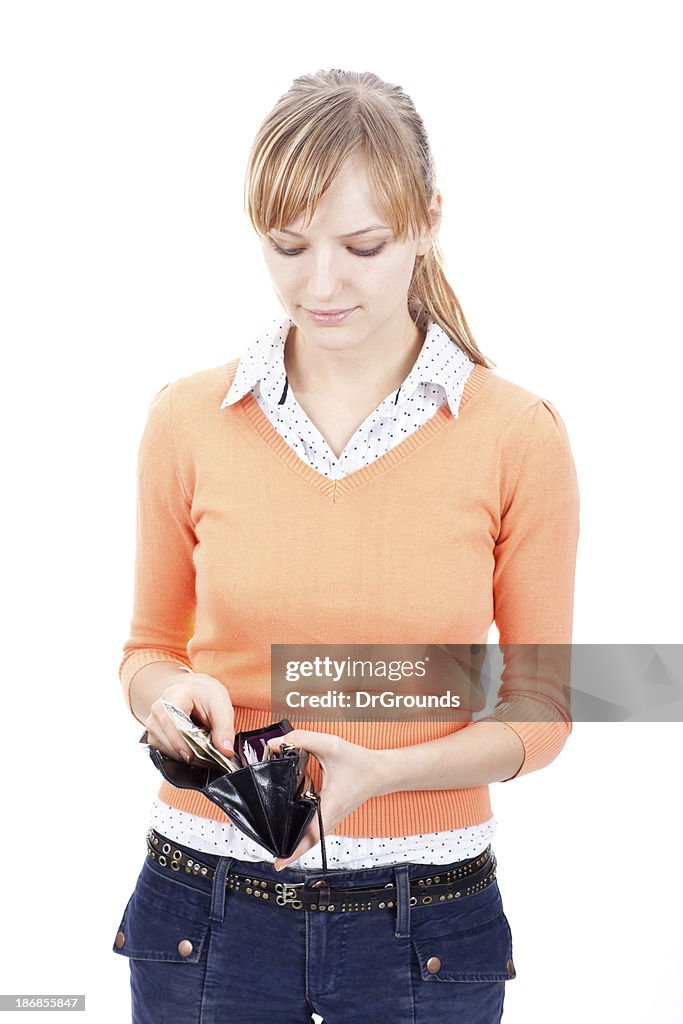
{"x":203,"y":698}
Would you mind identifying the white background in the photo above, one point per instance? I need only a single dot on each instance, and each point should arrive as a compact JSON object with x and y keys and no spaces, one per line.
{"x":127,"y":261}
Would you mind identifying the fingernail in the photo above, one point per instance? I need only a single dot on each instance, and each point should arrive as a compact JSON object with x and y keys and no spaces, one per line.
{"x":185,"y":756}
{"x":278,"y":867}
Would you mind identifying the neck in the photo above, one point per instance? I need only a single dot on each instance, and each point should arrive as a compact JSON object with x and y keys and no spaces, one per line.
{"x":376,"y":365}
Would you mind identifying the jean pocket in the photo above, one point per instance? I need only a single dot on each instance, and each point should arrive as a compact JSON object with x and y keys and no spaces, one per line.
{"x":163,"y":920}
{"x":474,"y":953}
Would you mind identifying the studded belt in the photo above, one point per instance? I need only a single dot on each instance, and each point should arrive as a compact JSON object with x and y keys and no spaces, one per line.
{"x":469,"y":877}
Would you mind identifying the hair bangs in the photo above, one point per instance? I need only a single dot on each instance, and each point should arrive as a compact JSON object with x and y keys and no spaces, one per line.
{"x":294,"y":162}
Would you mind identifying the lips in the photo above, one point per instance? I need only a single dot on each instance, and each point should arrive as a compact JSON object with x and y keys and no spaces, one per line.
{"x":329,"y":316}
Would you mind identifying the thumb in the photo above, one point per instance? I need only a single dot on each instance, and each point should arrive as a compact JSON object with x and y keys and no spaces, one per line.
{"x":305,"y":738}
{"x":294,"y":738}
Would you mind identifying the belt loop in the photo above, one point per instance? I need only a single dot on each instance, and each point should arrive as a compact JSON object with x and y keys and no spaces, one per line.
{"x":218,"y":891}
{"x":401,"y":874}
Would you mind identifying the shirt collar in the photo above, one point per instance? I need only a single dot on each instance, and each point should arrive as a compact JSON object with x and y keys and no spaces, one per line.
{"x":441,"y":361}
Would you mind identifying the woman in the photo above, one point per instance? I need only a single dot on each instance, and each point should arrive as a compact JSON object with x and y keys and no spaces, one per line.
{"x":359,"y":475}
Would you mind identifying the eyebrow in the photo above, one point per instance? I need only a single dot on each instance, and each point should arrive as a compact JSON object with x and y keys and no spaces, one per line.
{"x":351,"y":234}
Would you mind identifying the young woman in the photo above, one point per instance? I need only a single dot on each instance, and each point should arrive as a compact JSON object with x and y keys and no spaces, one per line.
{"x":360,"y":475}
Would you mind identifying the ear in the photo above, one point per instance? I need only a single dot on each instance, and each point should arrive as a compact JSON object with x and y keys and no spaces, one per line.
{"x":426,"y":239}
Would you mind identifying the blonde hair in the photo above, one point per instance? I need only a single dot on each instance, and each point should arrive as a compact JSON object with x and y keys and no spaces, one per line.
{"x":303,"y":142}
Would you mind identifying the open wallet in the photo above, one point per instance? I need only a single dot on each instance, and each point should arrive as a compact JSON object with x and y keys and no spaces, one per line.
{"x":266,"y":793}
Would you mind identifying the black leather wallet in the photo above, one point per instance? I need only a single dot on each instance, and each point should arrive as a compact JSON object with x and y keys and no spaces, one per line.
{"x":271,"y":801}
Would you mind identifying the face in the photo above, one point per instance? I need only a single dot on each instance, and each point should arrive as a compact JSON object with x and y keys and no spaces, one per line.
{"x":347,"y":259}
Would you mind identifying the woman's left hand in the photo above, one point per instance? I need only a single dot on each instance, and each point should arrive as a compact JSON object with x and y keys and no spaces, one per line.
{"x":349,"y":776}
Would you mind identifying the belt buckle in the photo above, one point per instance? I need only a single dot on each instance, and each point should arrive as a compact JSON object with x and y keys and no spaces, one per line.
{"x":288,"y":894}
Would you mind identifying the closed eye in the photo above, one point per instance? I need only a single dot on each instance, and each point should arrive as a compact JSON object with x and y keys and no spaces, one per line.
{"x":356,"y":252}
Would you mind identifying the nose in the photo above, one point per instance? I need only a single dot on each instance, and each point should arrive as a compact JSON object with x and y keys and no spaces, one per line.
{"x":325,"y":280}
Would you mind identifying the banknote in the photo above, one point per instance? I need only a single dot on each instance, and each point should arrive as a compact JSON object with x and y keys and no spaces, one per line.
{"x":199,"y":739}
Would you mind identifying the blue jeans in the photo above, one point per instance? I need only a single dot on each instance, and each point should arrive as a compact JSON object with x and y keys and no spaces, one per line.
{"x":252,"y":962}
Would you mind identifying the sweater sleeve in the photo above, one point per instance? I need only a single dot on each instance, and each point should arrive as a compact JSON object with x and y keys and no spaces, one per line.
{"x":164,"y":583}
{"x":533,"y":587}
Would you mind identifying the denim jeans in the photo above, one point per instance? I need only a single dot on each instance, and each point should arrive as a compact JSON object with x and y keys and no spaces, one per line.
{"x":252,"y":962}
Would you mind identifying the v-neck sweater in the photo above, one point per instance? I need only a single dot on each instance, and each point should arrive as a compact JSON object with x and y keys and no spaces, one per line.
{"x":242,"y":545}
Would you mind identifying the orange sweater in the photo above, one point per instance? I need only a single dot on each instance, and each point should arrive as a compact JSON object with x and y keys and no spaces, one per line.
{"x":241,"y":544}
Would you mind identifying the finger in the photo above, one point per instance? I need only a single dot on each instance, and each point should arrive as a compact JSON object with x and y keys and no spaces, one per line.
{"x":175,"y":744}
{"x":165,"y":736}
{"x":219,"y":720}
{"x":168,"y":740}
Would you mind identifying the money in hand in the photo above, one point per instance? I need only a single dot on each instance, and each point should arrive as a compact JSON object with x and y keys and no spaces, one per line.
{"x":199,"y":739}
